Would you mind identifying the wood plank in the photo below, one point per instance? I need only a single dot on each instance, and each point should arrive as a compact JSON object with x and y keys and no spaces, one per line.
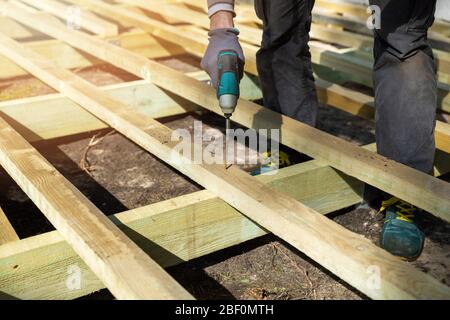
{"x":415,"y":187}
{"x":363,"y":106}
{"x":122,"y":266}
{"x":87,"y":20}
{"x":197,"y":45}
{"x":60,"y":117}
{"x":172,"y":232}
{"x":360,"y":11}
{"x":321,"y":54}
{"x":65,"y":56}
{"x":7,"y":232}
{"x":359,"y":66}
{"x":158,"y":29}
{"x":341,"y":251}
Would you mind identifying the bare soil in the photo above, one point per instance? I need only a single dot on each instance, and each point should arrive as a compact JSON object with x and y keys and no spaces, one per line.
{"x":118,"y":175}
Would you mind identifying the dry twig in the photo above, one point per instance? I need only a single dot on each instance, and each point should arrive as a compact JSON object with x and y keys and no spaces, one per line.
{"x":85,"y":165}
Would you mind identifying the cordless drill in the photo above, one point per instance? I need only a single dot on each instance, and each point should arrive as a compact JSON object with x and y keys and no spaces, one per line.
{"x":228,"y":87}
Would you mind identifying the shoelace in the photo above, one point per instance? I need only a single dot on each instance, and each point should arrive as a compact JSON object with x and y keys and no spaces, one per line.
{"x":405,"y":211}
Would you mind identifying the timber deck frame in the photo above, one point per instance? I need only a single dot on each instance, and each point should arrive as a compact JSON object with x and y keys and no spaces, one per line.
{"x":125,"y":35}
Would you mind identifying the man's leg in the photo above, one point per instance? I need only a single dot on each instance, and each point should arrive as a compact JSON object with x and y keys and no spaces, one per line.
{"x":284,"y":60}
{"x":405,"y":83}
{"x":405,"y":100}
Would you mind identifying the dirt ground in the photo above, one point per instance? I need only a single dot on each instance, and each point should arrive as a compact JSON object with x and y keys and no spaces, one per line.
{"x":122,"y":176}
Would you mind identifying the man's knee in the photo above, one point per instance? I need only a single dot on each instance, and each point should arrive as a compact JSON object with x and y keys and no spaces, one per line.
{"x":284,"y":21}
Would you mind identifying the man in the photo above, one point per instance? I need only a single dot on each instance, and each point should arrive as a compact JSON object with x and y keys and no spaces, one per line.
{"x":404,"y":82}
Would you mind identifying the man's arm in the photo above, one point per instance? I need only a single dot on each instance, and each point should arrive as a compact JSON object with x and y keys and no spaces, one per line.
{"x":215,"y":6}
{"x":222,"y":36}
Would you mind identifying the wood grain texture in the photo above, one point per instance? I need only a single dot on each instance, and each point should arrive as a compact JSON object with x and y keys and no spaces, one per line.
{"x":121,"y":265}
{"x":344,"y":253}
{"x":7,"y":232}
{"x":124,"y":268}
{"x":87,"y":20}
{"x":67,"y":57}
{"x":415,"y":187}
{"x":349,"y":63}
{"x":172,"y":232}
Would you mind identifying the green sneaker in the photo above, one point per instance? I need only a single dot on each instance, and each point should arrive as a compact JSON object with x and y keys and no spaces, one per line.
{"x":400,"y":235}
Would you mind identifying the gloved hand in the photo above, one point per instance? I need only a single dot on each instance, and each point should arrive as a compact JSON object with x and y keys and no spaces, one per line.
{"x":219,"y":40}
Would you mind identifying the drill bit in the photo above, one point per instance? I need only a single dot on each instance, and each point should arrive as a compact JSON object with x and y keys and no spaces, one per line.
{"x":227,"y":132}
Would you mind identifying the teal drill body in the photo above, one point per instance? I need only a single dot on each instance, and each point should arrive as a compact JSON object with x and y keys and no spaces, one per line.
{"x":228,"y":87}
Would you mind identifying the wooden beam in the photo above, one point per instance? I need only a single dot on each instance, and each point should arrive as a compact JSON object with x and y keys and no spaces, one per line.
{"x":362,"y":105}
{"x":87,"y":20}
{"x":65,"y":56}
{"x":415,"y":187}
{"x":172,"y":231}
{"x":61,"y":117}
{"x":360,"y":66}
{"x":158,"y":29}
{"x":124,"y":268}
{"x":196,"y":44}
{"x":342,"y":252}
{"x":360,"y":11}
{"x":7,"y":232}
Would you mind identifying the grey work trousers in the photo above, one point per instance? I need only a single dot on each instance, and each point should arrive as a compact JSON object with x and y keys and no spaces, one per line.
{"x":404,"y":73}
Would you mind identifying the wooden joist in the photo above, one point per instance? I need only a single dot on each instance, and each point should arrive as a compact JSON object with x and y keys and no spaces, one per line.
{"x":122,"y":266}
{"x":359,"y":66}
{"x":65,"y":56}
{"x":360,"y":11}
{"x":418,"y":188}
{"x":86,"y":19}
{"x":172,"y":231}
{"x":7,"y":232}
{"x":198,"y":49}
{"x":346,"y":254}
{"x":362,"y":105}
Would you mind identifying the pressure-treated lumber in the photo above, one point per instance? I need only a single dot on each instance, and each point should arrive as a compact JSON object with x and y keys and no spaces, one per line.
{"x":346,"y":38}
{"x":7,"y":232}
{"x":362,"y":105}
{"x":87,"y":20}
{"x":339,"y":250}
{"x":65,"y":56}
{"x":59,"y":116}
{"x":321,"y":54}
{"x":191,"y":42}
{"x":172,"y":231}
{"x":360,"y":11}
{"x":122,"y":266}
{"x":420,"y":189}
{"x":197,"y":49}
